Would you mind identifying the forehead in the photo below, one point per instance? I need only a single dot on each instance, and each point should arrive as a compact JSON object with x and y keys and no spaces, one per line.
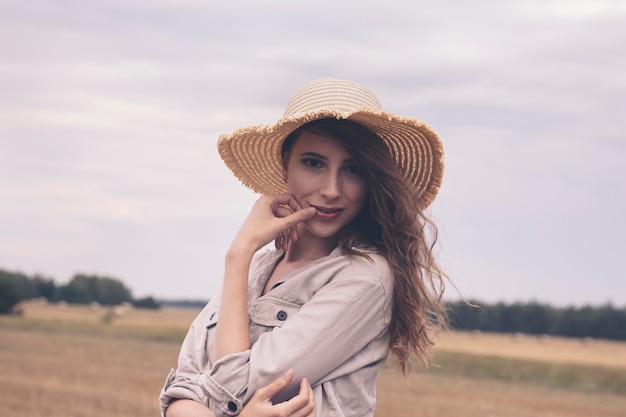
{"x":321,"y":144}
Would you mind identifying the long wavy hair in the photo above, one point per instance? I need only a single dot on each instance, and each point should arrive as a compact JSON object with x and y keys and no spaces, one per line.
{"x":392,"y":222}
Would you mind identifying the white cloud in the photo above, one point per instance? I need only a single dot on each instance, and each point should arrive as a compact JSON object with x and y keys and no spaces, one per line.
{"x":110,"y":112}
{"x":570,"y":9}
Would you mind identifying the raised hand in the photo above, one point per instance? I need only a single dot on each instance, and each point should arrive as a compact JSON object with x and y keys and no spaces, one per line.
{"x":260,"y":405}
{"x":273,"y":217}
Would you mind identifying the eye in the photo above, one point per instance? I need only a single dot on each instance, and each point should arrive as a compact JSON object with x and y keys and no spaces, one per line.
{"x":311,"y":162}
{"x":352,"y":169}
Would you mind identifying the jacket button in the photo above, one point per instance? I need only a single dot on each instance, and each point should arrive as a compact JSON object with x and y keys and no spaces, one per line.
{"x":232,"y":406}
{"x":282,"y":316}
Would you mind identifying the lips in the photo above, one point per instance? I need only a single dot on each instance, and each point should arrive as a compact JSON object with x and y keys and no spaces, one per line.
{"x":327,"y":213}
{"x":327,"y":210}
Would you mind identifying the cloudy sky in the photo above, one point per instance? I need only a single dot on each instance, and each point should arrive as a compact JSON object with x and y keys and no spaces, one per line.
{"x":110,"y":112}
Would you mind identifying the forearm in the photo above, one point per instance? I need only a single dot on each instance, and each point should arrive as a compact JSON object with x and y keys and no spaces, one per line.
{"x":271,"y":216}
{"x":188,"y":408}
{"x":232,"y":334}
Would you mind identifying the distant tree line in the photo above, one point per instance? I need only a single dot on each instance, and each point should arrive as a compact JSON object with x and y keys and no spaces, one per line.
{"x":198,"y":303}
{"x":602,"y":322}
{"x":82,"y":289}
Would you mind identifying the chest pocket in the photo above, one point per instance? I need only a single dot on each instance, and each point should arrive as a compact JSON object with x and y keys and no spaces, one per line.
{"x":272,"y":312}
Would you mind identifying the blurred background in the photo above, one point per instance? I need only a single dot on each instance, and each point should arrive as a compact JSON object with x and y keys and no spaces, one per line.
{"x":110,"y":113}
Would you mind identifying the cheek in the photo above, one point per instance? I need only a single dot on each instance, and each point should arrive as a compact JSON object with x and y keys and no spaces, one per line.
{"x":297,"y":182}
{"x":359,"y":194}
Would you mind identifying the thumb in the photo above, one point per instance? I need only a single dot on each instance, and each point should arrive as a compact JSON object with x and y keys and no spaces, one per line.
{"x":299,"y":216}
{"x":268,"y":391}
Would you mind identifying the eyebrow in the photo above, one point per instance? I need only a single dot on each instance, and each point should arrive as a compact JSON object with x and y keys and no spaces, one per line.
{"x":322,"y":157}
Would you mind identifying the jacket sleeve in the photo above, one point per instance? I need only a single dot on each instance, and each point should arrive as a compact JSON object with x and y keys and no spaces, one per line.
{"x":184,"y":381}
{"x":341,"y":319}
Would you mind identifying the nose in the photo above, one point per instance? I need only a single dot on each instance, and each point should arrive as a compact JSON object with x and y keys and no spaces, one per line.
{"x":331,"y":187}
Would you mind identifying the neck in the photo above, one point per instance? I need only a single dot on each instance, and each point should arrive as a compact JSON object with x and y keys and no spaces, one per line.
{"x":309,"y":248}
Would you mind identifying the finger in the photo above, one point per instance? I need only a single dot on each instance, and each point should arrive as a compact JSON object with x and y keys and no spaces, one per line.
{"x":298,"y":217}
{"x":311,"y":400}
{"x":293,"y":234}
{"x":282,"y":211}
{"x":281,"y":242}
{"x":278,"y":242}
{"x":286,"y":235}
{"x":298,"y":406}
{"x":288,"y":223}
{"x":303,"y":404}
{"x":288,"y":200}
{"x":306,"y":389}
{"x":309,"y":389}
{"x":268,"y":391}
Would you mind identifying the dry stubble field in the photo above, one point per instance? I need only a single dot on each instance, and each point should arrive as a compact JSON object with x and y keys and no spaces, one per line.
{"x":74,"y":362}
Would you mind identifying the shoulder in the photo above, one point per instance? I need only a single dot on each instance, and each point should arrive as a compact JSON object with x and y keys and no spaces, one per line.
{"x":364,"y":281}
{"x":366,"y":262}
{"x":368,"y":266}
{"x":340,"y":279}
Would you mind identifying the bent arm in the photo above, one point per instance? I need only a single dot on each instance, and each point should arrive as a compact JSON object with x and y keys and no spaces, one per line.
{"x":334,"y":326}
{"x":188,"y":408}
{"x":315,"y":341}
{"x":232,"y":333}
{"x":268,"y":218}
{"x":260,"y":405}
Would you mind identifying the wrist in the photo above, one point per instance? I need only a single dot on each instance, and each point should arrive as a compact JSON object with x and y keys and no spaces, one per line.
{"x":238,"y":252}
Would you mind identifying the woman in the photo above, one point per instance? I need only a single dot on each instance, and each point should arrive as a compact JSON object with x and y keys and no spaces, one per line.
{"x":353,"y":276}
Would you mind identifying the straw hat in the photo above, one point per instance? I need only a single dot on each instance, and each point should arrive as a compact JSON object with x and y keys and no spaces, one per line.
{"x":253,"y":153}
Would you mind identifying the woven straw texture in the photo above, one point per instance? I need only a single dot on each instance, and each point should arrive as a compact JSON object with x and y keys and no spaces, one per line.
{"x":253,"y":153}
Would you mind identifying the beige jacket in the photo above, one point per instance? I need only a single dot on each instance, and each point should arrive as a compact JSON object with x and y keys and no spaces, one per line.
{"x":328,"y":321}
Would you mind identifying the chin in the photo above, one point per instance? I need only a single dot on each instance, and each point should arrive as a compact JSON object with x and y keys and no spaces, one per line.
{"x":323,"y":232}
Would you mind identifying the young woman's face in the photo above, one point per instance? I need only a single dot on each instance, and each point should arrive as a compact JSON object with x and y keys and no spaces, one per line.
{"x":321,"y":173}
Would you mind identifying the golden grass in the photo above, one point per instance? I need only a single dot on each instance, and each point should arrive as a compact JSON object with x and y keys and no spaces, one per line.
{"x":66,"y":361}
{"x":537,"y":348}
{"x":69,"y":374}
{"x":119,"y":316}
{"x":440,"y":395}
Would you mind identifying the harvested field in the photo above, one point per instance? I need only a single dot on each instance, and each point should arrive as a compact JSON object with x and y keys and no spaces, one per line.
{"x":537,"y":348}
{"x":69,"y":361}
{"x":441,"y":395}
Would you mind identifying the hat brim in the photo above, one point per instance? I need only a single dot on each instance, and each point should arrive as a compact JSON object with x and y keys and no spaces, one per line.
{"x":253,"y":153}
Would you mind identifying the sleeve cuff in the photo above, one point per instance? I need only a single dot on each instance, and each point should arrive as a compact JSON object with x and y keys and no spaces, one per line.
{"x":178,"y":386}
{"x":227,"y":383}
